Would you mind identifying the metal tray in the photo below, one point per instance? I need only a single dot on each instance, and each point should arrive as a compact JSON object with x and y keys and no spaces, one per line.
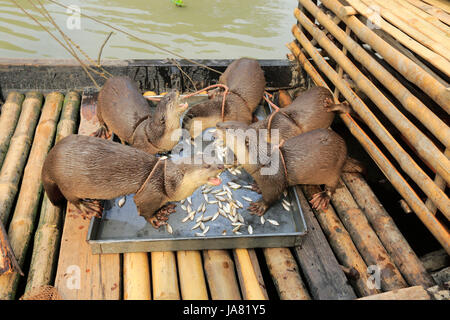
{"x":123,"y":230}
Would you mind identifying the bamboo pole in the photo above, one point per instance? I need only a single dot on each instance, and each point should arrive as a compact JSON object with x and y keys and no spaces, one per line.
{"x":424,"y":15}
{"x":164,"y":276}
{"x":342,"y":244}
{"x":399,"y":183}
{"x":402,"y":254}
{"x":366,"y":240}
{"x":285,"y":274}
{"x":18,"y":152}
{"x":398,"y":61}
{"x":190,"y":272}
{"x":440,"y":183}
{"x":404,"y":159}
{"x":219,"y":268}
{"x":136,"y":276}
{"x":250,"y":285}
{"x":414,"y":21}
{"x":441,"y":4}
{"x":408,"y":100}
{"x":8,"y":261}
{"x":422,"y":143}
{"x":48,"y":233}
{"x":8,"y":121}
{"x":434,"y":11}
{"x":424,"y":47}
{"x":22,"y":223}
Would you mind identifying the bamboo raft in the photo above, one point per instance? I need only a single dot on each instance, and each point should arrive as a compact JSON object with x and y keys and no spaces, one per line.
{"x":348,"y":248}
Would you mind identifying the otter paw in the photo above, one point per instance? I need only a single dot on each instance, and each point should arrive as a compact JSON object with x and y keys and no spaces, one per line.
{"x":102,"y":132}
{"x":90,"y":208}
{"x":258,"y":208}
{"x":320,"y":200}
{"x":162,"y":215}
{"x":256,"y":188}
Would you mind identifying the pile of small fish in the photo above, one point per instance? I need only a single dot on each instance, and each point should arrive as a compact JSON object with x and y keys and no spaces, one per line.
{"x":227,"y":207}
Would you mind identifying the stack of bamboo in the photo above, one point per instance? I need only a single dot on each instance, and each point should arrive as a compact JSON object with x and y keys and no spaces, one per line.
{"x":399,"y":61}
{"x":27,"y":133}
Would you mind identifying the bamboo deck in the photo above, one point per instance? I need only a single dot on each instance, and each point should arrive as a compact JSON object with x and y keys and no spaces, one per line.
{"x":356,"y":232}
{"x":390,"y":61}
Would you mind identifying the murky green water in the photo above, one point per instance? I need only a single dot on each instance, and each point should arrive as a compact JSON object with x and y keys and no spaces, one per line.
{"x":204,"y":29}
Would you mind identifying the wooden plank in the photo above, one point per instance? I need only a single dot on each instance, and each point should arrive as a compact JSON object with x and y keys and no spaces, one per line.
{"x":80,"y":274}
{"x":342,"y":245}
{"x":391,"y":237}
{"x":136,"y":276}
{"x":366,"y":240}
{"x":249,"y":275}
{"x":285,"y":274}
{"x":411,"y":293}
{"x":10,"y":112}
{"x":192,"y":278}
{"x":435,"y":260}
{"x":323,"y":274}
{"x":220,"y":273}
{"x":164,"y":275}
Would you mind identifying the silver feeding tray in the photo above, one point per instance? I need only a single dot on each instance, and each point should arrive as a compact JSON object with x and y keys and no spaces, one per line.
{"x":123,"y":230}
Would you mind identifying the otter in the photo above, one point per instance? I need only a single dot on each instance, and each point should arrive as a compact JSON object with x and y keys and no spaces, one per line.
{"x":312,"y":109}
{"x":122,"y":109}
{"x":79,"y":168}
{"x":315,"y":157}
{"x":245,"y":81}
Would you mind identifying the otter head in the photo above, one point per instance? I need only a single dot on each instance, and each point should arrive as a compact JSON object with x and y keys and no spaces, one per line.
{"x":166,"y":121}
{"x":195,"y":175}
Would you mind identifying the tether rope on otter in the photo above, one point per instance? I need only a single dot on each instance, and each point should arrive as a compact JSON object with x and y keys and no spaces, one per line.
{"x":139,"y":39}
{"x":282,"y":159}
{"x":150,"y":175}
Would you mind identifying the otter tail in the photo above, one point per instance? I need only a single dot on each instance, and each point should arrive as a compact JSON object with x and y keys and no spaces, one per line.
{"x":53,"y":193}
{"x":353,"y":166}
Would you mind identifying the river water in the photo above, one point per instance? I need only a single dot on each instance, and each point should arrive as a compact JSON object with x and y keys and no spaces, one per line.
{"x":203,"y":29}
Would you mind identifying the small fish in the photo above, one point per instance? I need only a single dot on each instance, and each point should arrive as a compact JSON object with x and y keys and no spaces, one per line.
{"x":121,"y":202}
{"x":204,"y":207}
{"x":182,"y":201}
{"x":183,"y":207}
{"x":248,"y":187}
{"x":286,"y":207}
{"x":250,"y":229}
{"x":224,"y":232}
{"x":247,"y":199}
{"x":240,"y":218}
{"x":215,"y":191}
{"x":206,"y":197}
{"x":222,"y":193}
{"x":185,"y":219}
{"x":200,"y":207}
{"x":206,"y":230}
{"x":196,"y":225}
{"x":226,"y":189}
{"x":188,"y":208}
{"x":220,"y":204}
{"x":205,"y":219}
{"x":262,"y":219}
{"x":199,"y":234}
{"x":199,"y":219}
{"x":189,"y":200}
{"x":274,"y":222}
{"x":286,"y":202}
{"x":213,"y":202}
{"x":169,"y":228}
{"x":237,"y":232}
{"x":237,"y":171}
{"x":239,"y":204}
{"x":222,"y":213}
{"x":202,"y":226}
{"x":220,"y":198}
{"x":236,"y":228}
{"x":215,"y":216}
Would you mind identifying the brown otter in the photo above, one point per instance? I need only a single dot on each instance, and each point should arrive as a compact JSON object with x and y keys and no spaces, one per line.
{"x":313,"y":109}
{"x":245,"y":81}
{"x":316,"y":157}
{"x":122,"y":109}
{"x":79,"y":168}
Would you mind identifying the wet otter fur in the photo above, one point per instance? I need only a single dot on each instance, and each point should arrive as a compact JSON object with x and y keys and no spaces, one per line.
{"x":316,"y":157}
{"x":122,"y":109}
{"x":312,"y":109}
{"x":79,"y":168}
{"x":245,"y":81}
